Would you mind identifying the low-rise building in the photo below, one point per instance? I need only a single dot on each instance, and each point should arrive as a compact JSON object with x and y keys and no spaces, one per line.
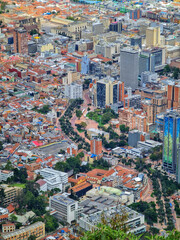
{"x":80,"y":189}
{"x":42,"y":185}
{"x":37,"y":229}
{"x":5,"y":174}
{"x":96,"y":132}
{"x":54,"y":178}
{"x":91,"y":216}
{"x":9,"y":227}
{"x":148,"y":144}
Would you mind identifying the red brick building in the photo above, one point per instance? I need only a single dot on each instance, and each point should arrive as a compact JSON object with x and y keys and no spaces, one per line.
{"x":20,"y":41}
{"x":96,"y":146}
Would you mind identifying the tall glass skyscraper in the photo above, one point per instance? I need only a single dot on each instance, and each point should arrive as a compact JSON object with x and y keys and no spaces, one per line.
{"x":171,"y":142}
{"x":129,"y":67}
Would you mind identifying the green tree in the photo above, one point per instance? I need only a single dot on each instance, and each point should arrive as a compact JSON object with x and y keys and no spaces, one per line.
{"x":78,"y":113}
{"x":8,"y":166}
{"x":167,"y":68}
{"x":83,"y":125}
{"x":2,"y":196}
{"x":105,"y":232}
{"x":122,"y":128}
{"x":51,"y":223}
{"x":13,"y":218}
{"x":62,"y":151}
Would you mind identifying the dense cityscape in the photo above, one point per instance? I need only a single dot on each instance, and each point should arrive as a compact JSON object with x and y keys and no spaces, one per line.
{"x":89,"y":120}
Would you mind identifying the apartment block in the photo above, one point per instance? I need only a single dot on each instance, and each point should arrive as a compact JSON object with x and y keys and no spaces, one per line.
{"x":134,"y":119}
{"x":96,"y":146}
{"x":11,"y":193}
{"x":73,"y":91}
{"x":73,"y":76}
{"x":37,"y":229}
{"x":72,"y":150}
{"x":173,"y":96}
{"x":20,"y":41}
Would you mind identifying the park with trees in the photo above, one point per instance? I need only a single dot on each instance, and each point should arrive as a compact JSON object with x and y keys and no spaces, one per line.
{"x":67,"y":127}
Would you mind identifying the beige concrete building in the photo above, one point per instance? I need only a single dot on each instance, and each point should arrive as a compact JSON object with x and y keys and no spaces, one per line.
{"x":9,"y":227}
{"x":11,"y":193}
{"x":152,"y":36}
{"x":37,"y":229}
{"x":73,"y":76}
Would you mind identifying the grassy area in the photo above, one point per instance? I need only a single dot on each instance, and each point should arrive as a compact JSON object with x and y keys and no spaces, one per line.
{"x":21,"y":185}
{"x":102,"y":117}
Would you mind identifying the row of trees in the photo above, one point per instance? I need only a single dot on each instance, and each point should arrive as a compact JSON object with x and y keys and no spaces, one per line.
{"x":68,"y":129}
{"x":167,"y":188}
{"x":177,"y":208}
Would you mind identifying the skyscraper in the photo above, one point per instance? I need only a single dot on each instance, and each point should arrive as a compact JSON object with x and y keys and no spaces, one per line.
{"x":153,"y":36}
{"x":116,"y":27}
{"x":107,"y":92}
{"x":135,"y":13}
{"x":20,"y":41}
{"x":129,"y":67}
{"x":96,"y":146}
{"x":171,"y":142}
{"x":173,"y":96}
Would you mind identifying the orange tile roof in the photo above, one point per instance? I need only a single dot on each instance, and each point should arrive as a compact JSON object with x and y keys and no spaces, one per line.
{"x":10,"y":208}
{"x":80,"y":186}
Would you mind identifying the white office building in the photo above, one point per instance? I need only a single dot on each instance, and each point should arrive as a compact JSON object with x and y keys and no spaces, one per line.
{"x":65,"y":208}
{"x":74,"y":91}
{"x":54,"y":178}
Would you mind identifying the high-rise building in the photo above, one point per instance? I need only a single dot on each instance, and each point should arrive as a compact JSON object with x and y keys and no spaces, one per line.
{"x":107,"y":92}
{"x":116,"y":27}
{"x":121,"y":91}
{"x":20,"y":41}
{"x":173,"y":96}
{"x":151,"y":60}
{"x":171,"y":142}
{"x":153,"y":36}
{"x":129,"y":67}
{"x":96,"y":146}
{"x":97,"y":28}
{"x":135,"y":14}
{"x":85,"y":63}
{"x":73,"y":91}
